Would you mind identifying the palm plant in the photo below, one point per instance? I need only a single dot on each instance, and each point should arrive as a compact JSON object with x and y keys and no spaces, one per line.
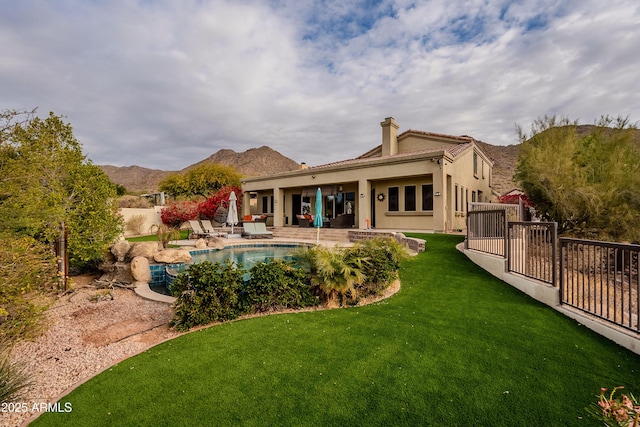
{"x":335,"y":272}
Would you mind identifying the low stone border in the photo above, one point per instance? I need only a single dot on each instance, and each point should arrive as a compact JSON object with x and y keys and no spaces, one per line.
{"x":416,"y":245}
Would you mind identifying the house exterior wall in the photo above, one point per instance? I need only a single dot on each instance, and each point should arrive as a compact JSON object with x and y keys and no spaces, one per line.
{"x":451,"y":176}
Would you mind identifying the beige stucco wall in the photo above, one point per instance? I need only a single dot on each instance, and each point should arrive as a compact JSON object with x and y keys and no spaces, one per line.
{"x":151,"y":218}
{"x":380,"y":174}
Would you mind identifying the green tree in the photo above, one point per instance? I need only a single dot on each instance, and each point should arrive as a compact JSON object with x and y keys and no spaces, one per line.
{"x":46,"y":182}
{"x":202,"y":180}
{"x":586,"y":178}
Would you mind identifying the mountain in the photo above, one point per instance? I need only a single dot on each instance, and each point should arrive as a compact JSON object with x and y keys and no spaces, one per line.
{"x":253,"y":162}
{"x":504,"y":159}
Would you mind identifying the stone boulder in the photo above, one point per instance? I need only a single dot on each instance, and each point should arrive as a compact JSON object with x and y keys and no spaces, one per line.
{"x":173,"y":256}
{"x":201,"y":244}
{"x":145,"y":249}
{"x":140,"y":269}
{"x":216,"y":243}
{"x":120,"y":250}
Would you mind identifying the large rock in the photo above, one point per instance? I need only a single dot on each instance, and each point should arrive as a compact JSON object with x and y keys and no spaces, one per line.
{"x":140,"y":269}
{"x":145,"y":249}
{"x":173,"y":256}
{"x":201,"y":244}
{"x":120,"y":250}
{"x":216,"y":243}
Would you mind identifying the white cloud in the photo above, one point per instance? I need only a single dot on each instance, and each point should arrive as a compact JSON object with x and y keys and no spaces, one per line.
{"x":164,"y":84}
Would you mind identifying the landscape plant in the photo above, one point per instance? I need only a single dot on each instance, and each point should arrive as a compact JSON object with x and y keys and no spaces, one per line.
{"x":200,"y":181}
{"x":616,"y":410}
{"x":220,"y":199}
{"x":334,"y":272}
{"x":276,"y":285}
{"x":384,"y":256}
{"x":207,"y":292}
{"x":175,"y":214}
{"x":14,"y":377}
{"x":585,"y":178}
{"x":47,"y":184}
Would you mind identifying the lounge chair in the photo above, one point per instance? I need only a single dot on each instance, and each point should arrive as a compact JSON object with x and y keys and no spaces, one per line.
{"x":197,"y":229}
{"x":261,"y":230}
{"x":209,"y":229}
{"x":255,"y":229}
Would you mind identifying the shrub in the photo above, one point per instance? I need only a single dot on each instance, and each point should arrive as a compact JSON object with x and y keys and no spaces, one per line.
{"x":208,"y":208}
{"x":135,"y":224}
{"x":205,"y":293}
{"x":384,"y":256}
{"x":27,"y":271}
{"x":176,"y":213}
{"x":334,"y":272}
{"x":14,"y":378}
{"x":275,"y":285}
{"x":134,"y":202}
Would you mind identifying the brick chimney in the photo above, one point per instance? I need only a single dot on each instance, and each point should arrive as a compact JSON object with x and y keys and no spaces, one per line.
{"x":389,"y":137}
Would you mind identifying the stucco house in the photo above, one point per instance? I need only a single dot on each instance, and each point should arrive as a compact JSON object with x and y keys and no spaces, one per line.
{"x":414,"y":180}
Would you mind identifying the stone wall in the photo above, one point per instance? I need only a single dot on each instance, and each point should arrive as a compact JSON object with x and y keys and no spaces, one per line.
{"x":416,"y":245}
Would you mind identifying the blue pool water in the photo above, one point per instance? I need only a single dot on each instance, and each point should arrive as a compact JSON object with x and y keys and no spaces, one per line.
{"x":248,"y":256}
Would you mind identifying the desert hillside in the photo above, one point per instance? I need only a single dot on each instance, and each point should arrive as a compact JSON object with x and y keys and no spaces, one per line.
{"x":253,"y":162}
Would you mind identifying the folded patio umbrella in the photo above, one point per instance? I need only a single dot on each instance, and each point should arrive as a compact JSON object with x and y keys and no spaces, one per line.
{"x":317,"y":220}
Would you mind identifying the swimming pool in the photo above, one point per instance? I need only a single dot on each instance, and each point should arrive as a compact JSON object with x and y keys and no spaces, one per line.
{"x":247,"y":255}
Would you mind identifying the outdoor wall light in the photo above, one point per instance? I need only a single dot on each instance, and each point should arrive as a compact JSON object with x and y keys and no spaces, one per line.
{"x":313,"y":177}
{"x":437,"y":193}
{"x":362,"y":195}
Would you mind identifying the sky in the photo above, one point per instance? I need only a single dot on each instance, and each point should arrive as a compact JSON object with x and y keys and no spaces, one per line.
{"x":164,"y":84}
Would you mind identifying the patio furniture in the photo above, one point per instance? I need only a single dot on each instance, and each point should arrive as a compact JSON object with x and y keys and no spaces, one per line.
{"x":343,"y":221}
{"x":197,"y":229}
{"x":209,"y":228}
{"x":304,"y":220}
{"x":255,"y":229}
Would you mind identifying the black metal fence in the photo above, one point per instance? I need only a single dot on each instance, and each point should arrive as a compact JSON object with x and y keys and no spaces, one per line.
{"x":486,"y":231}
{"x":532,"y":250}
{"x":601,"y":278}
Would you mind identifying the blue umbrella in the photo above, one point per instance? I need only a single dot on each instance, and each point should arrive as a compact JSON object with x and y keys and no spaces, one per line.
{"x":317,"y":220}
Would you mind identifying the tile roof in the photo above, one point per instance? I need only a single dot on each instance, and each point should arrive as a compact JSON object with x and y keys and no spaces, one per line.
{"x":453,"y":150}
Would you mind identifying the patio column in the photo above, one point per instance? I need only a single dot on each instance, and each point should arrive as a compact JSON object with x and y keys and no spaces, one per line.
{"x":246,"y":204}
{"x":439,"y":199}
{"x":278,"y":207}
{"x":363,"y":203}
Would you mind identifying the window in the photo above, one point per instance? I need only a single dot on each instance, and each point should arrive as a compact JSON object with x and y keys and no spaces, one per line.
{"x":427,"y":197}
{"x":457,"y":205}
{"x":410,"y":198}
{"x":475,"y":164}
{"x":473,"y":196}
{"x":393,"y":199}
{"x":466,"y":200}
{"x":265,"y":204}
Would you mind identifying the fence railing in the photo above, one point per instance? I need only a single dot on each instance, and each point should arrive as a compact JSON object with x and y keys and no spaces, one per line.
{"x":514,"y":212}
{"x":486,"y":231}
{"x":602,"y":279}
{"x":532,"y":250}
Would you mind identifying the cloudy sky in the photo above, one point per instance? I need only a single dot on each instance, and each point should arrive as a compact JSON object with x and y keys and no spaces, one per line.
{"x":164,"y":84}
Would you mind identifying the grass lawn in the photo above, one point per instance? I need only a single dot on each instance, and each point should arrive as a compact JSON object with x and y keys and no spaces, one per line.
{"x":454,"y":347}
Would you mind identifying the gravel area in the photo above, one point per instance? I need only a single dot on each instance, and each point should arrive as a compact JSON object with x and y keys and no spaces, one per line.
{"x":88,"y":331}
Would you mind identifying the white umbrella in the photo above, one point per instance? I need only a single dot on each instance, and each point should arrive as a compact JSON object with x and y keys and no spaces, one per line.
{"x":232,"y":216}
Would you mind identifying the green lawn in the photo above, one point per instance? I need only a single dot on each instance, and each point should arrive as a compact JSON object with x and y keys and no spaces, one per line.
{"x":454,"y":347}
{"x":184,"y":234}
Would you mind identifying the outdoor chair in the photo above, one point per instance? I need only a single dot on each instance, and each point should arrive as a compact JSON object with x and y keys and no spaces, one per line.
{"x":209,"y":229}
{"x":255,"y":229}
{"x":197,"y":229}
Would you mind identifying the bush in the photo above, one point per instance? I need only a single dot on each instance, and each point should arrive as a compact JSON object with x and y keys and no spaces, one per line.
{"x":384,"y":256}
{"x":27,"y":270}
{"x":134,"y":202}
{"x":205,"y":293}
{"x":276,"y":285}
{"x":14,"y":378}
{"x":176,"y":213}
{"x":135,"y":224}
